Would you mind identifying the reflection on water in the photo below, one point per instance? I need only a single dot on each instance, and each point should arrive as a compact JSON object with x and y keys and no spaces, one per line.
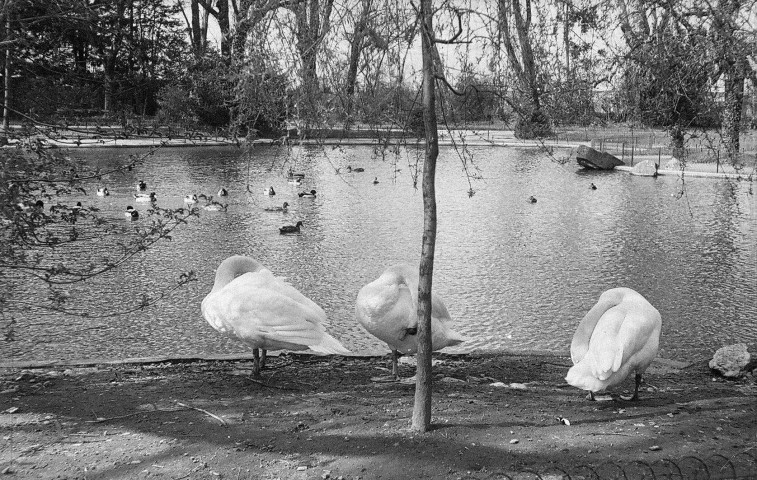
{"x":515,"y":274}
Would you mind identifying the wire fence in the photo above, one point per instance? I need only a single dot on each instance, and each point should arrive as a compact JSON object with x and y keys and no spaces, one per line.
{"x":742,"y":465}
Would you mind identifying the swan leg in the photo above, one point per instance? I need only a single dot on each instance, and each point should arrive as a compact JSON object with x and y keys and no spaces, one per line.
{"x":395,"y":370}
{"x":591,"y":396}
{"x":263,"y":357}
{"x":255,"y":362}
{"x":636,"y":388}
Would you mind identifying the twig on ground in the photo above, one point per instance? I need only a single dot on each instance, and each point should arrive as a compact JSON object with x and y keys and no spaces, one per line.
{"x":101,"y":420}
{"x":223,"y":422}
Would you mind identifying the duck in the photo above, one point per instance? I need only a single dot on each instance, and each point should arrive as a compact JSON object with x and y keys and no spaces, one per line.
{"x":144,"y":197}
{"x":269,"y":191}
{"x":310,"y":194}
{"x":141,"y":185}
{"x":282,"y":208}
{"x":375,"y":181}
{"x":620,"y":334}
{"x":215,"y":207}
{"x":387,"y":308}
{"x":592,"y":186}
{"x":532,"y":199}
{"x":291,"y":173}
{"x":291,"y":228}
{"x":295,"y":181}
{"x":190,"y":199}
{"x":131,"y":213}
{"x":24,"y":207}
{"x":222,"y":192}
{"x":76,"y":208}
{"x":250,"y":303}
{"x":356,"y":169}
{"x":103,"y":192}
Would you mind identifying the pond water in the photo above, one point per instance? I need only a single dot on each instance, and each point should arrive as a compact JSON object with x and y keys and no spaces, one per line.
{"x":515,"y":275}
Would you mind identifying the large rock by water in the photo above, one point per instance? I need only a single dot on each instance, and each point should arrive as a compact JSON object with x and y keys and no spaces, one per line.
{"x":731,"y":361}
{"x":645,"y":168}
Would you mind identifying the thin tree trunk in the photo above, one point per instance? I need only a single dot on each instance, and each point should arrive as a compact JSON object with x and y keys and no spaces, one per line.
{"x":7,"y":93}
{"x":423,"y":383}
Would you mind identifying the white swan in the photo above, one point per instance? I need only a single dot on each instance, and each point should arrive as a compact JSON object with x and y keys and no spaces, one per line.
{"x":248,"y":302}
{"x":619,"y":335}
{"x":387,"y":308}
{"x":143,"y":197}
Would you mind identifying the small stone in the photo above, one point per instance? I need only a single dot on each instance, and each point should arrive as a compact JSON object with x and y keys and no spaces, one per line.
{"x":655,"y":448}
{"x":731,"y":360}
{"x":302,"y":468}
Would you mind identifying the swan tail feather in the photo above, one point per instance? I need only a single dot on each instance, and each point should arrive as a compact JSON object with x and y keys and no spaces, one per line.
{"x":329,"y":345}
{"x":580,"y":376}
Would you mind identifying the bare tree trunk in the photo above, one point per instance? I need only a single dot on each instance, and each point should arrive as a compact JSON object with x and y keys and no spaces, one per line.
{"x":356,"y":48}
{"x":7,"y":84}
{"x":223,"y":25}
{"x":732,"y":106}
{"x":423,"y":382}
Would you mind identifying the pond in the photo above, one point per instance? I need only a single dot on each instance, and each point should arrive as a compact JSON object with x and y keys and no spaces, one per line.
{"x":515,"y":275}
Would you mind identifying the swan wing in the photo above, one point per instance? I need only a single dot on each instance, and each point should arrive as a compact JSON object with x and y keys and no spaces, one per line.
{"x":385,"y":308}
{"x":259,"y":309}
{"x":580,"y":344}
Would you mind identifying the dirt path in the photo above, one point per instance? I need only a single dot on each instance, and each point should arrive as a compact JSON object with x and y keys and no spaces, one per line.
{"x":315,"y":418}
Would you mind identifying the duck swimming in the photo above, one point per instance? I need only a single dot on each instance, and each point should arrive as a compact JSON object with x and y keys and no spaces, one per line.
{"x":215,"y":207}
{"x":131,"y":213}
{"x":103,"y":192}
{"x":141,"y":185}
{"x":532,"y":199}
{"x":270,"y":191}
{"x":282,"y":208}
{"x":222,"y":192}
{"x":190,"y":199}
{"x":310,"y":194}
{"x":250,"y":303}
{"x":143,"y":197}
{"x":387,"y":308}
{"x":617,"y":336}
{"x":291,"y":228}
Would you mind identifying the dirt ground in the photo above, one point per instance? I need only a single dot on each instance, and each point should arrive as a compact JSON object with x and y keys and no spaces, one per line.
{"x":310,"y":417}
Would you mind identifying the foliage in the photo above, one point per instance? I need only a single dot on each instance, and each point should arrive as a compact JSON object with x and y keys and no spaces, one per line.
{"x":201,"y":97}
{"x":263,"y":99}
{"x":666,"y":83}
{"x":117,"y":52}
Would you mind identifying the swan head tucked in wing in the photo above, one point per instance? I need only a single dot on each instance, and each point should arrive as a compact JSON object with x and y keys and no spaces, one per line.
{"x":619,"y":335}
{"x":248,"y":302}
{"x":387,"y":308}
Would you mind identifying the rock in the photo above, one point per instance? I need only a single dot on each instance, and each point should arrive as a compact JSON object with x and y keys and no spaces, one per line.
{"x":731,"y":361}
{"x":645,"y":168}
{"x":672,"y":164}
